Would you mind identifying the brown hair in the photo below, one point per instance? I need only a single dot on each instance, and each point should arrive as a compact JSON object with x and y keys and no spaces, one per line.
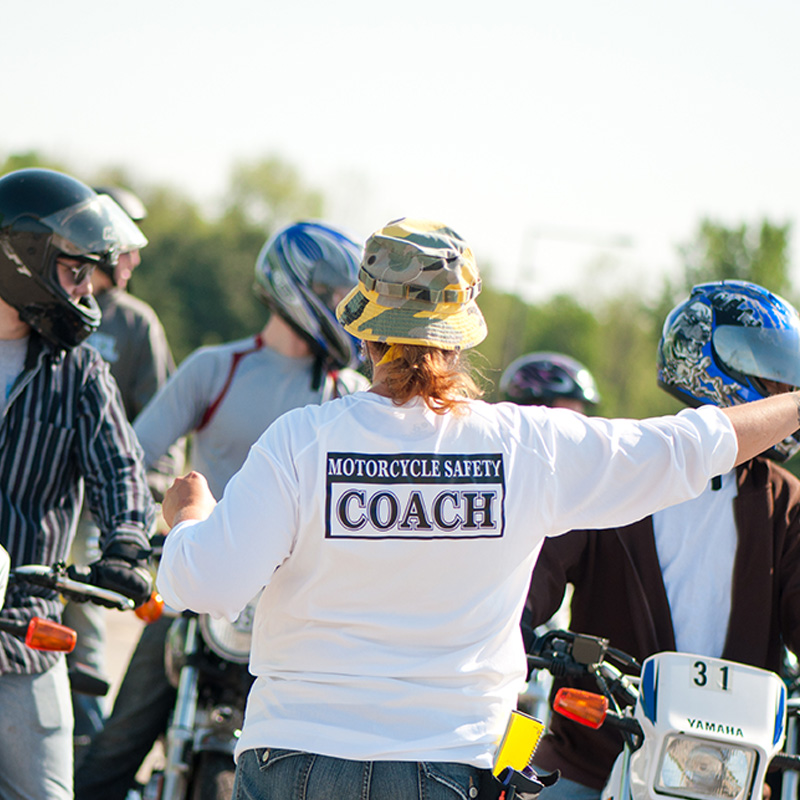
{"x":442,"y":378}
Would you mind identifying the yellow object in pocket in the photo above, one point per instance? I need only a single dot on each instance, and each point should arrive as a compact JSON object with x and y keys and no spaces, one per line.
{"x":518,"y":743}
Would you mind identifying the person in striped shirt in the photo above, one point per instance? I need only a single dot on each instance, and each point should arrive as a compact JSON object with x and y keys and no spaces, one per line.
{"x":64,"y":438}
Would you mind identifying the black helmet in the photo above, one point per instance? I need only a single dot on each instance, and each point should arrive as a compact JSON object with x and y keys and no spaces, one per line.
{"x":721,"y":344}
{"x":299,"y":272}
{"x":541,"y":378}
{"x":43,"y":215}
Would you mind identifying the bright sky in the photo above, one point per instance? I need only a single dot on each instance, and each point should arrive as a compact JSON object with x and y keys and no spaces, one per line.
{"x":547,"y":133}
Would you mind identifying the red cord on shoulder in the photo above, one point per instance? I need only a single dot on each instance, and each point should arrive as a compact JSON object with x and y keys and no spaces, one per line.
{"x":235,"y":359}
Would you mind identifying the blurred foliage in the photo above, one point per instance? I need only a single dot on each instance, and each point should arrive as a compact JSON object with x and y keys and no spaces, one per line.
{"x":758,"y":254}
{"x":617,"y":339}
{"x":31,"y":158}
{"x":270,"y":193}
{"x":197,"y":272}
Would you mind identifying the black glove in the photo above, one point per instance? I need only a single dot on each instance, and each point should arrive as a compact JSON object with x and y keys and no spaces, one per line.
{"x":123,"y":569}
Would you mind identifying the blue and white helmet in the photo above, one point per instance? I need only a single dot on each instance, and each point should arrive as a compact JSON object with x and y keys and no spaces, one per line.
{"x":301,"y":274}
{"x":719,"y":346}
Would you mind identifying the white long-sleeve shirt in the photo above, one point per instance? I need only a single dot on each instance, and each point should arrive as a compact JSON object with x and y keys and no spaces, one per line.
{"x":396,"y":547}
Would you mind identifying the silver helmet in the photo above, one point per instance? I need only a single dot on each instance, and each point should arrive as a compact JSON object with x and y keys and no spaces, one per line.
{"x":301,"y":274}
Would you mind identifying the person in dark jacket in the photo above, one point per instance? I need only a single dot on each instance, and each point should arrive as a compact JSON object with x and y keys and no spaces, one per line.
{"x":717,"y":576}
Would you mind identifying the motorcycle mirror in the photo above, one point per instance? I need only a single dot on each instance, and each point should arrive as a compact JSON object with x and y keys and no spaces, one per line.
{"x":44,"y":634}
{"x":151,"y":610}
{"x":586,"y":708}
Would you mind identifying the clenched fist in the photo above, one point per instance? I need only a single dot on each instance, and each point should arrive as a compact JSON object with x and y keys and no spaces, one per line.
{"x":188,"y":498}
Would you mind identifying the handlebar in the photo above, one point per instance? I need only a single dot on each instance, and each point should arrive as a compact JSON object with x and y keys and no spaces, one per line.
{"x":573,"y":655}
{"x":623,"y":723}
{"x":55,"y":578}
{"x":557,"y":665}
{"x":786,"y":761}
{"x":568,"y":654}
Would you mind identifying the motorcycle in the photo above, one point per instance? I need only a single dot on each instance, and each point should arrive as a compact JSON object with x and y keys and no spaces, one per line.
{"x":692,"y":726}
{"x":206,"y":661}
{"x":44,"y":634}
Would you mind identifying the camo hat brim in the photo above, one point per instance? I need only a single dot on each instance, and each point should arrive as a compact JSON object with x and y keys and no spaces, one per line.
{"x":417,"y":285}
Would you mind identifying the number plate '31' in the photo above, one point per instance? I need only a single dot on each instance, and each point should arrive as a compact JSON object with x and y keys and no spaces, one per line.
{"x":711,"y":675}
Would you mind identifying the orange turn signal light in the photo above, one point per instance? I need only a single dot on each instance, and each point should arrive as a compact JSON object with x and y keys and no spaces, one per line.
{"x":587,"y":708}
{"x":44,"y":634}
{"x":151,"y":610}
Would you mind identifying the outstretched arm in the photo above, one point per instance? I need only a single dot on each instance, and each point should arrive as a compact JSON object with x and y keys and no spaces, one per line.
{"x":763,"y":423}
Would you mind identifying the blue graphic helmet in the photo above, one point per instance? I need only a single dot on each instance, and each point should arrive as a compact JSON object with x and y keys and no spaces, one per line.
{"x":301,"y":274}
{"x":544,"y":378}
{"x":725,"y":344}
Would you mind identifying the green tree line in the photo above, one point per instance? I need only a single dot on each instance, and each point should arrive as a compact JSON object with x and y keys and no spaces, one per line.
{"x":197,"y":272}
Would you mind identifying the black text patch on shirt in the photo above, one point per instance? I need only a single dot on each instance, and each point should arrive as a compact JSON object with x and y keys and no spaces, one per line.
{"x":414,"y":496}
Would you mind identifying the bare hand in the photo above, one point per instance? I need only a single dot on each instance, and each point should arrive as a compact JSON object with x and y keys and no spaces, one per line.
{"x":188,"y":498}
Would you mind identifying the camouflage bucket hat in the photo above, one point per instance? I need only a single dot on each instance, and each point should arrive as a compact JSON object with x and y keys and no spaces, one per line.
{"x":417,"y":285}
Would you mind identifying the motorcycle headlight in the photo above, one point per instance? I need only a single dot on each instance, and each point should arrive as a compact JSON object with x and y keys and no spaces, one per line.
{"x":229,"y":640}
{"x":702,"y":769}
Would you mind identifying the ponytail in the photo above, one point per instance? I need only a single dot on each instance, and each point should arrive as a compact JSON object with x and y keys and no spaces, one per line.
{"x":440,"y":377}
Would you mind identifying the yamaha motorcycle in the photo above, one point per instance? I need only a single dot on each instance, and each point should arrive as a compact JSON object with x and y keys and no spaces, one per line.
{"x":693,"y":727}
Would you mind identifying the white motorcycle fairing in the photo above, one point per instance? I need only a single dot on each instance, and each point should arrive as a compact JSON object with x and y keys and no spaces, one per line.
{"x":710,"y":726}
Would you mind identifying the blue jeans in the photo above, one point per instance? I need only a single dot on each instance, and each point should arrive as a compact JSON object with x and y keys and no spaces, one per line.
{"x":36,"y":735}
{"x":264,"y":774}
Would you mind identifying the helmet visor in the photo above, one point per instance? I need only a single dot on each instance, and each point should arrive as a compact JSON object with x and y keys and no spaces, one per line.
{"x":95,"y":226}
{"x":770,"y":353}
